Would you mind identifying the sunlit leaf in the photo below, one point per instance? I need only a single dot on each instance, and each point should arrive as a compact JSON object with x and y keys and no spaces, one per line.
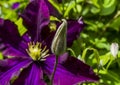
{"x":21,"y":28}
{"x":108,"y":7}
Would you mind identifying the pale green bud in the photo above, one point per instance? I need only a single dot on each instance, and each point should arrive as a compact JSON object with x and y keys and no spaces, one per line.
{"x":58,"y":46}
{"x":114,"y":49}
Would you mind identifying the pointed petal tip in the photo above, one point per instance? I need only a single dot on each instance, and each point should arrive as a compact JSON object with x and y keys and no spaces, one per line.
{"x":80,"y":21}
{"x":35,"y":17}
{"x":75,"y":27}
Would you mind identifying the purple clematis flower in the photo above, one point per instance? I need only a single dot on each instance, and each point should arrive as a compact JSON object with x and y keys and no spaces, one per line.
{"x":29,"y":56}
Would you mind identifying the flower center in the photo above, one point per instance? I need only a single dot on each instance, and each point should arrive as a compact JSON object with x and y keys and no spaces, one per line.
{"x":36,"y":52}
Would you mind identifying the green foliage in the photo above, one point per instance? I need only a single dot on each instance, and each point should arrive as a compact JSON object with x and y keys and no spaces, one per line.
{"x":102,"y":19}
{"x":21,"y":28}
{"x":1,"y":57}
{"x":6,"y":10}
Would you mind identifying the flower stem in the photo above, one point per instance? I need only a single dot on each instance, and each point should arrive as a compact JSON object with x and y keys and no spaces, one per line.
{"x":54,"y":70}
{"x":108,"y":65}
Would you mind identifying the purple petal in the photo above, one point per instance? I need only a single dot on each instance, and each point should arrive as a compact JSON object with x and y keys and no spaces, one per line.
{"x":74,"y":29}
{"x":15,"y":5}
{"x":24,"y":43}
{"x":11,"y":43}
{"x":12,"y":52}
{"x":26,"y":38}
{"x":47,"y":37}
{"x":70,"y":71}
{"x":33,"y":75}
{"x":10,"y":68}
{"x":35,"y":17}
{"x":53,"y":11}
{"x":9,"y":33}
{"x":1,"y":22}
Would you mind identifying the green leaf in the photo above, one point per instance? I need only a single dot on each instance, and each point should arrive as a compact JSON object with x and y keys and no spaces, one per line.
{"x":119,"y":54}
{"x":70,"y":6}
{"x":95,"y":2}
{"x":116,"y":24}
{"x":108,"y":7}
{"x":104,"y":59}
{"x":21,"y":28}
{"x":96,"y":54}
{"x":56,"y":5}
{"x":113,"y":75}
{"x":1,"y":56}
{"x":95,"y":10}
{"x":109,"y":77}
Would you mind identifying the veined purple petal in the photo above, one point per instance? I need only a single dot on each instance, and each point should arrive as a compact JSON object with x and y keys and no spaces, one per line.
{"x":9,"y":33}
{"x":47,"y":37}
{"x":33,"y":75}
{"x":11,"y":43}
{"x":35,"y":17}
{"x":74,"y":29}
{"x":24,"y":43}
{"x":10,"y":68}
{"x":70,"y":71}
{"x":12,"y":52}
{"x":53,"y":11}
{"x":26,"y":37}
{"x":15,"y":5}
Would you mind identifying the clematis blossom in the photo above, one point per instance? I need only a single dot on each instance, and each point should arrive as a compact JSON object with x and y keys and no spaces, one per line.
{"x":29,"y":55}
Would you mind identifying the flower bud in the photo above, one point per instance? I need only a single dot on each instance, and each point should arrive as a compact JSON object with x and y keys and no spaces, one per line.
{"x":114,"y":49}
{"x":59,"y":41}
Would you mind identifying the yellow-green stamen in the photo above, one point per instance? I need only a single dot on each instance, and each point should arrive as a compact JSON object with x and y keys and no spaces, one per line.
{"x":36,"y":52}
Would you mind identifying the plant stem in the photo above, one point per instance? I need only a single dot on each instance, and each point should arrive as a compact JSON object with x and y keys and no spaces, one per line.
{"x":108,"y":65}
{"x":54,"y":70}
